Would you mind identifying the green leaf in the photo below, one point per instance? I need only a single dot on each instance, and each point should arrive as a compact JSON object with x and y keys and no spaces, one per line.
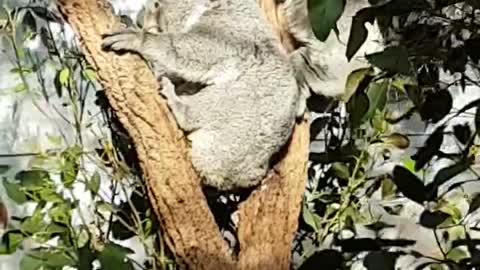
{"x":353,"y":81}
{"x":409,"y":184}
{"x":358,"y":31}
{"x":309,"y":218}
{"x":433,"y":219}
{"x":21,"y":70}
{"x":104,"y":207}
{"x":89,"y":74}
{"x":359,"y":103}
{"x":33,"y":179}
{"x":388,"y":189}
{"x":14,"y":192}
{"x":61,"y":213}
{"x":94,"y":183}
{"x":29,"y":23}
{"x":409,"y":164}
{"x":58,"y":259}
{"x":474,"y":203}
{"x":30,"y":263}
{"x":402,"y":82}
{"x":455,"y":215}
{"x":378,"y":121}
{"x":462,"y":133}
{"x":4,"y":168}
{"x":34,"y":224}
{"x":436,"y":105}
{"x":429,"y":149}
{"x":20,"y":50}
{"x":317,"y":126}
{"x":58,"y":85}
{"x":12,"y":239}
{"x":44,"y":259}
{"x":340,"y":170}
{"x":393,"y":59}
{"x":357,"y":107}
{"x":19,"y":88}
{"x":323,"y":16}
{"x":83,"y":237}
{"x":377,"y":96}
{"x":456,"y":254}
{"x":435,"y":266}
{"x":55,"y":140}
{"x":86,"y":256}
{"x":147,"y":226}
{"x":64,"y":76}
{"x":398,"y":140}
{"x":49,"y":195}
{"x":55,"y":229}
{"x":114,"y":257}
{"x":70,"y":165}
{"x":477,"y":120}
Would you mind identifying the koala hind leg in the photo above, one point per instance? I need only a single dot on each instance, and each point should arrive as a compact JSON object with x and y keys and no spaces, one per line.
{"x":181,"y":110}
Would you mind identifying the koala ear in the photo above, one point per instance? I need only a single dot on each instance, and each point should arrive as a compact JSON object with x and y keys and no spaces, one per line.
{"x":152,"y":16}
{"x":141,"y":18}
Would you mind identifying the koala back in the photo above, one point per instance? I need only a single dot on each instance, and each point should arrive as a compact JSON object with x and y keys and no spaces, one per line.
{"x":248,"y":108}
{"x":222,"y":16}
{"x":233,"y":149}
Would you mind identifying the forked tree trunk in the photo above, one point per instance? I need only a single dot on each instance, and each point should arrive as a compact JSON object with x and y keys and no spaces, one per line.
{"x":268,"y":219}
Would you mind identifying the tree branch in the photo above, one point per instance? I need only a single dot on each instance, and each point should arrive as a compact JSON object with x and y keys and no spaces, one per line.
{"x":268,"y":219}
{"x":172,"y":184}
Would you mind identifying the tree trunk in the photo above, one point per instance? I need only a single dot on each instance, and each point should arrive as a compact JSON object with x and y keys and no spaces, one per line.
{"x":268,"y":218}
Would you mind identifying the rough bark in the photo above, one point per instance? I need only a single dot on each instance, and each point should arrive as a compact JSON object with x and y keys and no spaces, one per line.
{"x":268,"y":219}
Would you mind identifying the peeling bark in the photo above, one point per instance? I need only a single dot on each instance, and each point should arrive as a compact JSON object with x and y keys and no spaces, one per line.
{"x":268,"y":219}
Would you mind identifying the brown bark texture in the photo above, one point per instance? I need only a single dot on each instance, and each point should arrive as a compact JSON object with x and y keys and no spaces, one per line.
{"x":268,"y":218}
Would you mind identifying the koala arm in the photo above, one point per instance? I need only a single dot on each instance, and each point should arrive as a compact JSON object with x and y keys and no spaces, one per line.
{"x":296,"y":14}
{"x":191,"y":56}
{"x":322,"y":66}
{"x":313,"y":59}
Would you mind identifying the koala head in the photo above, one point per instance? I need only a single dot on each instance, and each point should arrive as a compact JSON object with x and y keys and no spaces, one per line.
{"x":173,"y":15}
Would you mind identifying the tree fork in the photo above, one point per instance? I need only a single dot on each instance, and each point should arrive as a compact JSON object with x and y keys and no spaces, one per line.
{"x":268,"y":218}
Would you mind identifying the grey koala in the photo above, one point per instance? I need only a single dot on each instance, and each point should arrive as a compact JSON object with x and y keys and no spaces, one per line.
{"x":247,"y":109}
{"x":310,"y":60}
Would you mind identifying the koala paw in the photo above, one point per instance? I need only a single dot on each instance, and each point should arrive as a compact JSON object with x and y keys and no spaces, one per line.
{"x":123,"y":40}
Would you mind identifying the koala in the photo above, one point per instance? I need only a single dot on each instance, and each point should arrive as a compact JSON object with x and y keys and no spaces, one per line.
{"x":247,"y":108}
{"x":319,"y":69}
{"x":311,"y":58}
{"x":152,"y":20}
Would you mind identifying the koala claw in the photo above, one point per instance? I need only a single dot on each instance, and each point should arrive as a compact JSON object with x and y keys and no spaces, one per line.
{"x":127,"y":39}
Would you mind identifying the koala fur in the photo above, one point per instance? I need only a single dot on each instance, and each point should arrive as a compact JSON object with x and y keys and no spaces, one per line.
{"x":321,"y":67}
{"x":247,"y":109}
{"x":310,"y":59}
